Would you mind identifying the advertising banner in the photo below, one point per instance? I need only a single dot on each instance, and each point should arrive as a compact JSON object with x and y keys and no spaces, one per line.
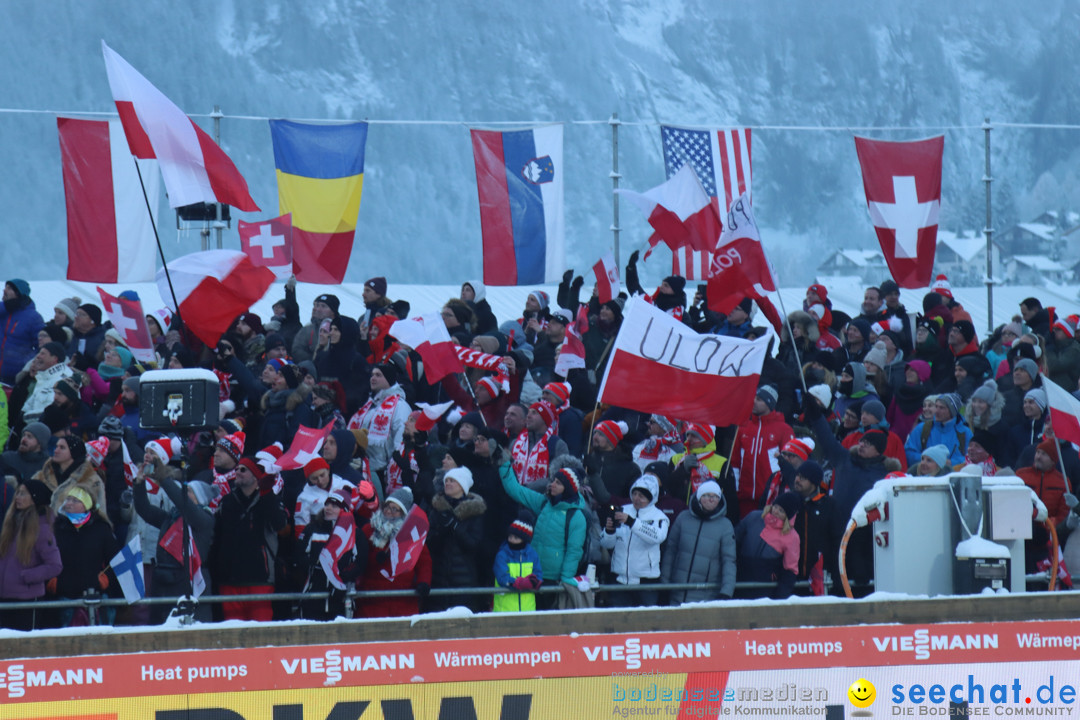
{"x":999,"y":669}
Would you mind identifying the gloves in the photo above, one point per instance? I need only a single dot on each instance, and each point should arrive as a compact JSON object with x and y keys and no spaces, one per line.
{"x":522,"y":584}
{"x":534,"y":581}
{"x":366,"y":491}
{"x":811,"y":409}
{"x":578,"y":282}
{"x":583,"y":583}
{"x":1071,"y":500}
{"x":423,"y":589}
{"x":567,"y":275}
{"x":634,"y":257}
{"x":50,"y":586}
{"x":103,"y":580}
{"x":127,"y":497}
{"x":690,"y":460}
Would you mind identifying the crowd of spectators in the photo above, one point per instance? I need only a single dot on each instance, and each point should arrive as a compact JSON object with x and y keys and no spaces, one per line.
{"x":519,"y":478}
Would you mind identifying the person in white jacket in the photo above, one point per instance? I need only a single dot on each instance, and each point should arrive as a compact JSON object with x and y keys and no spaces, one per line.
{"x":634,"y":535}
{"x":320,"y":484}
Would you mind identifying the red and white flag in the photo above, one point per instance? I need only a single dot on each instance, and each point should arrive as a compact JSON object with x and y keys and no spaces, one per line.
{"x":305,"y":447}
{"x":427,"y":335}
{"x":903,"y":194}
{"x":739,"y":266}
{"x":269,"y":244}
{"x":691,"y":264}
{"x":172,"y":542}
{"x":659,"y":365}
{"x":212,"y":288}
{"x":129,"y":320}
{"x":679,"y":211}
{"x":341,"y":541}
{"x":721,"y":159}
{"x":408,"y":544}
{"x":607,"y":278}
{"x":571,"y":352}
{"x":1064,"y":411}
{"x":110,"y":235}
{"x":194,"y":168}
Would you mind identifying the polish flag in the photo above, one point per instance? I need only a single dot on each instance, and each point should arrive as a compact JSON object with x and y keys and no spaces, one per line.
{"x":129,"y":320}
{"x":212,"y":288}
{"x":195,"y":169}
{"x":680,"y":211}
{"x":304,"y":448}
{"x":739,"y":266}
{"x":427,"y":335}
{"x":1064,"y":411}
{"x":269,"y":244}
{"x":659,"y":365}
{"x":571,"y":353}
{"x":110,"y":235}
{"x":607,"y":278}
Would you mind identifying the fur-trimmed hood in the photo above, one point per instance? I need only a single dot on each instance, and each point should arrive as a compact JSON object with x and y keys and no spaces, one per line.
{"x":84,"y":477}
{"x":806,"y":321}
{"x":470,"y":506}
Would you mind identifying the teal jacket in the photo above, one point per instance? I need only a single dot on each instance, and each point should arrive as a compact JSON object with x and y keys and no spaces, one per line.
{"x":558,"y":558}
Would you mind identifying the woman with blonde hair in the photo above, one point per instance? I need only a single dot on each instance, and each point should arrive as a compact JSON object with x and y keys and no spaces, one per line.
{"x":29,"y":556}
{"x":768,"y":547}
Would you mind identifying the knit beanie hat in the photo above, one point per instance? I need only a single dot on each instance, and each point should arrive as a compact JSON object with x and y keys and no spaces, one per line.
{"x":768,"y":395}
{"x":132,"y":384}
{"x":544,"y":410}
{"x":82,"y":496}
{"x":331,"y":300}
{"x":463,"y":476}
{"x":41,"y":433}
{"x":93,"y":311}
{"x":403,"y":498}
{"x":489,"y":383}
{"x":1027,"y":365}
{"x":314,"y":466}
{"x":790,"y":502}
{"x":56,"y":350}
{"x":613,"y":431}
{"x":876,"y":439}
{"x":952,"y":401}
{"x":939,"y":454}
{"x":811,"y":471}
{"x":1050,"y":447}
{"x":378,"y":284}
{"x":561,"y":390}
{"x":665,"y":424}
{"x":875,"y":408}
{"x":233,"y":445}
{"x":985,"y":439}
{"x":985,"y":392}
{"x":1038,"y":395}
{"x":708,"y":487}
{"x":40,"y":493}
{"x":705,"y":432}
{"x":966,"y":329}
{"x":68,"y":306}
{"x":800,"y":447}
{"x":878,"y":355}
{"x":822,"y":393}
{"x":522,"y":526}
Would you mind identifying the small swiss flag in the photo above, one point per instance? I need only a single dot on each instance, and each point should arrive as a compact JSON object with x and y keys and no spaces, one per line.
{"x":269,"y":244}
{"x":304,"y":448}
{"x":129,"y":320}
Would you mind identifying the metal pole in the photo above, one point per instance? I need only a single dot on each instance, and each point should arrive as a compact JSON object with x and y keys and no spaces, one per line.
{"x":989,"y":232}
{"x":217,"y":115}
{"x":157,"y":238}
{"x":614,"y":122}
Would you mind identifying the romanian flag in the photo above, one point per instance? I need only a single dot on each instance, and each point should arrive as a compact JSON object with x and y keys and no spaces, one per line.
{"x":320,"y":175}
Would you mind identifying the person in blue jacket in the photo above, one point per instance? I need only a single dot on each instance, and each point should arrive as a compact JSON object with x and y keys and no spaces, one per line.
{"x":20,"y":324}
{"x":947,"y":428}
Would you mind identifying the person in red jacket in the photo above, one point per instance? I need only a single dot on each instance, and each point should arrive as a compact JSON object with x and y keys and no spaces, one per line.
{"x":381,"y":574}
{"x":1045,"y":478}
{"x":754,"y":456}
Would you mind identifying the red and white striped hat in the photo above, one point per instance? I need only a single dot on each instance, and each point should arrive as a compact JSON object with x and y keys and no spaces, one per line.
{"x":802,"y":447}
{"x":613,"y":431}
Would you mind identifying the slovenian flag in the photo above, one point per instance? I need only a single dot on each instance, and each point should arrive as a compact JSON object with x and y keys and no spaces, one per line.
{"x":320,"y":176}
{"x":519,"y":178}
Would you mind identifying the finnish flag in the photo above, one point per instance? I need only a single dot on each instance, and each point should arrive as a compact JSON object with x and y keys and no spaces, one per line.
{"x":128,"y":566}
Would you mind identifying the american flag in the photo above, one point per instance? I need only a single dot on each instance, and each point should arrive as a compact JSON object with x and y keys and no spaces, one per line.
{"x":721,"y":159}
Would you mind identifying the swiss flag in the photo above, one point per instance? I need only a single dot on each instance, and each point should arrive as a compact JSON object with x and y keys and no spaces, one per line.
{"x":194,"y":168}
{"x":212,"y":288}
{"x":680,"y":211}
{"x":304,"y":448}
{"x":129,"y":320}
{"x":739,"y":266}
{"x":1064,"y":411}
{"x":407,"y":545}
{"x":607,"y":278}
{"x":903,"y":194}
{"x":269,"y":244}
{"x":427,"y":335}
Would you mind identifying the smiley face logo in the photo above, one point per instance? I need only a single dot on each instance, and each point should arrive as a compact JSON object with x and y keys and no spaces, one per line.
{"x":862,"y":693}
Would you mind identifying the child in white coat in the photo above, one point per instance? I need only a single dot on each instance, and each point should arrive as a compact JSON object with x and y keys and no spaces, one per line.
{"x":634,"y":535}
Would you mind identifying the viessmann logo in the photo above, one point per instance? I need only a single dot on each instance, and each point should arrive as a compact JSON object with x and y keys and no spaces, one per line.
{"x":633,"y":651}
{"x":921,"y":642}
{"x":16,"y":678}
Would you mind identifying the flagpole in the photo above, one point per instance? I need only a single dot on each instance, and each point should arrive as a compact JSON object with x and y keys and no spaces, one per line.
{"x":787,"y":319}
{"x":157,"y":238}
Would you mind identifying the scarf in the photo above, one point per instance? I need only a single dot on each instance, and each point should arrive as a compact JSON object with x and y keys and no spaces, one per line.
{"x":393,"y":470}
{"x":342,"y":540}
{"x":381,"y":418}
{"x":384,"y":530}
{"x":78,"y":519}
{"x":223,"y":482}
{"x":530,"y":464}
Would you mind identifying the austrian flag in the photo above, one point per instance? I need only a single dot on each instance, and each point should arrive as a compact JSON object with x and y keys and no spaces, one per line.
{"x":903,"y":194}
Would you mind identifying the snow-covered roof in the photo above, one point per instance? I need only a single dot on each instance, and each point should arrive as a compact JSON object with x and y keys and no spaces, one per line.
{"x":1046,"y":232}
{"x":965,"y":248}
{"x":1038,"y":262}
